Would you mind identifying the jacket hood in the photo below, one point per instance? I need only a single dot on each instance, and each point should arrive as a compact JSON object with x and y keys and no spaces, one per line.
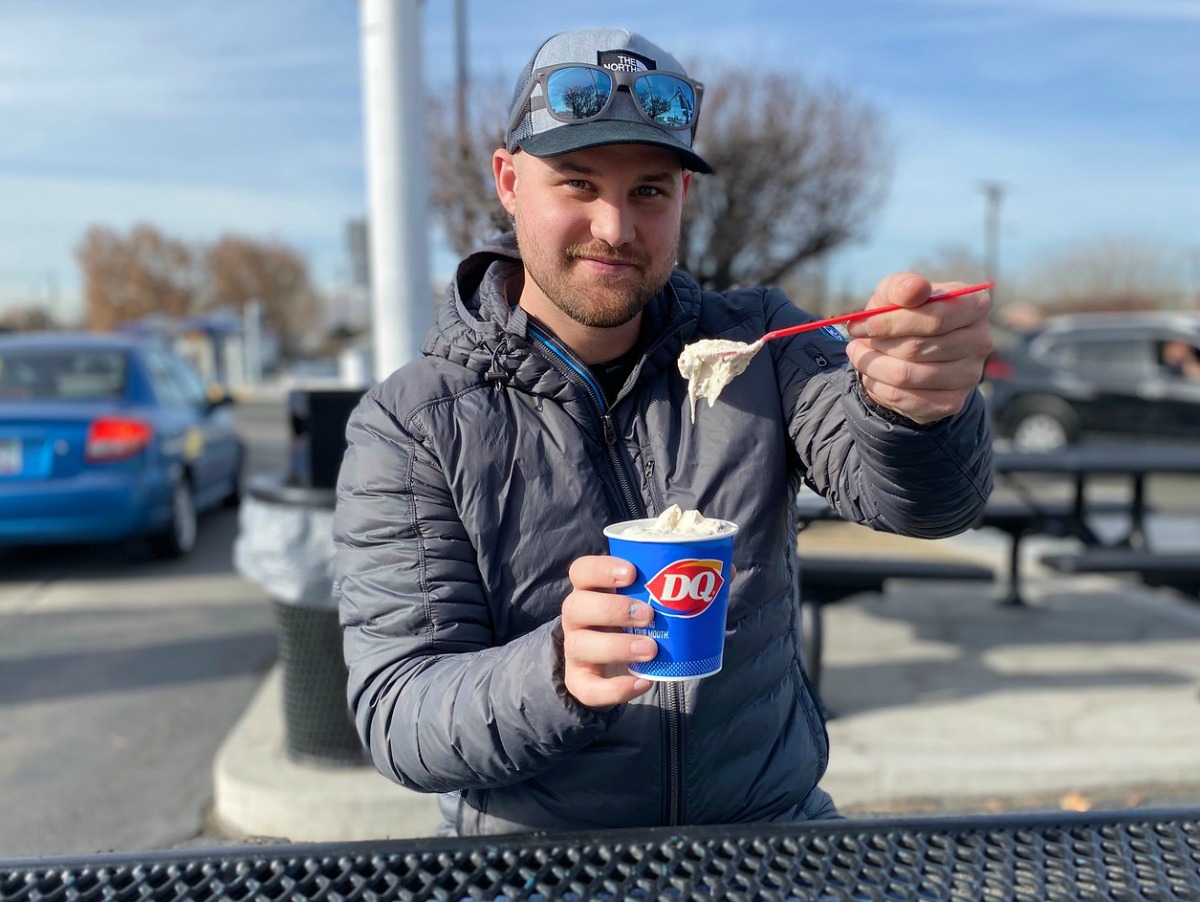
{"x":472,"y":320}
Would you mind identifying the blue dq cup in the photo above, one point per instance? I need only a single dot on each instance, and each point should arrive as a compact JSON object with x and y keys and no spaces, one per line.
{"x":685,"y":579}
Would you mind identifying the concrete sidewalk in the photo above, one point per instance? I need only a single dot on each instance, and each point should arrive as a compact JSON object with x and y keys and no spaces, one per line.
{"x":942,"y":700}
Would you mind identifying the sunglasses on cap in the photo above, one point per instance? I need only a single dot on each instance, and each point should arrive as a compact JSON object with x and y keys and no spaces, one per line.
{"x":576,"y":92}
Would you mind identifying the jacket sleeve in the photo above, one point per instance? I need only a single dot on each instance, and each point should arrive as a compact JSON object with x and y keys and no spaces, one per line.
{"x":874,"y":466}
{"x":438,"y":704}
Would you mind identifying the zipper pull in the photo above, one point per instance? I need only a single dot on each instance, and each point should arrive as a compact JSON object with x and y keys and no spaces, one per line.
{"x":610,"y":431}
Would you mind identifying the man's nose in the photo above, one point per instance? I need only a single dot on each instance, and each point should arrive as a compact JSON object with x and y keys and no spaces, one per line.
{"x":612,"y":222}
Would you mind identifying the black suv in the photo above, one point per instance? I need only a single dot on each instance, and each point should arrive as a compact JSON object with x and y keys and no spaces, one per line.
{"x":1092,"y":374}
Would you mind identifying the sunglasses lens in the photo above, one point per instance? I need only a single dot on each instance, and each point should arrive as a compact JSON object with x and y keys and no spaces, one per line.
{"x":667,"y":100}
{"x":577,"y":93}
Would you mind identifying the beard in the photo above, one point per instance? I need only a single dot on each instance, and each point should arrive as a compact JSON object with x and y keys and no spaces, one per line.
{"x":602,"y":302}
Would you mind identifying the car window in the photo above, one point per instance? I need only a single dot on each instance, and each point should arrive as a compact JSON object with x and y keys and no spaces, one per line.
{"x":168,"y":388}
{"x":1111,"y":357}
{"x":62,"y":374}
{"x":192,"y":386}
{"x":176,"y":383}
{"x":1178,"y":359}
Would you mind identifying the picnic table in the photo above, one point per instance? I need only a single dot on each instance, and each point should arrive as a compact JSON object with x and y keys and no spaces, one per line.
{"x":1025,"y":510}
{"x":1131,"y":854}
{"x":1081,"y":467}
{"x":828,"y":579}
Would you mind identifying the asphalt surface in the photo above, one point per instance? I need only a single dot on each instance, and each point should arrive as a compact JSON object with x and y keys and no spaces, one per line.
{"x":120,"y":676}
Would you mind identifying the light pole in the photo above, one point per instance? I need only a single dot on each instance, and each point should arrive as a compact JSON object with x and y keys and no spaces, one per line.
{"x":397,"y":177}
{"x":460,"y":71}
{"x":994,"y":194}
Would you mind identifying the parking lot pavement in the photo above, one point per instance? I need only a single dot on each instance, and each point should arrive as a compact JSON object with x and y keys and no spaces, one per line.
{"x":942,"y":697}
{"x":942,"y":701}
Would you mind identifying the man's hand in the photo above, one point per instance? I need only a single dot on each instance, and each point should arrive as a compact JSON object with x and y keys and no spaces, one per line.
{"x":922,"y":362}
{"x":596,"y":652}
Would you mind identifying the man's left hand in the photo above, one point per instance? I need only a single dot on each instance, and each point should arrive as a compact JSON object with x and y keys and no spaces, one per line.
{"x":922,"y":362}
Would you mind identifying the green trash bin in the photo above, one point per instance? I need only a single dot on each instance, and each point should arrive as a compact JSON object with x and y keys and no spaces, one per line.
{"x":285,"y":545}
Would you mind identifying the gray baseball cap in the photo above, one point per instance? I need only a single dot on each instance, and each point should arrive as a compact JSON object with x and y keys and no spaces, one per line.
{"x":534,"y":130}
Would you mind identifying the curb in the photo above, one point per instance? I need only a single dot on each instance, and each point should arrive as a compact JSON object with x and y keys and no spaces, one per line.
{"x":259,"y":793}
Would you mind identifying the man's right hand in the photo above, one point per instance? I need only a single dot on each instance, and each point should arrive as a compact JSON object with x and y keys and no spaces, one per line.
{"x":596,"y":651}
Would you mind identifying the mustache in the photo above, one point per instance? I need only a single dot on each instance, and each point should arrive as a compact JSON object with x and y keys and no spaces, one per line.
{"x":606,"y":252}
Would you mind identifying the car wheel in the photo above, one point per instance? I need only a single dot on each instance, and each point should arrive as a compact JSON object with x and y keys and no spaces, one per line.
{"x":179,"y":537}
{"x":1043,"y":424}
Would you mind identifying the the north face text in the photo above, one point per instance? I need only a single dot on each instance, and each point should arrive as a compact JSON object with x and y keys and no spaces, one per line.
{"x":624,"y":61}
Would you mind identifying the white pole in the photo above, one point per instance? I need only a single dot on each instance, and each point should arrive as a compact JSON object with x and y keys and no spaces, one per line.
{"x":397,"y":175}
{"x":252,"y":342}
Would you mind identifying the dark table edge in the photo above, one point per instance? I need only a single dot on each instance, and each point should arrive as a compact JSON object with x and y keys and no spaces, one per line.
{"x":633,"y":836}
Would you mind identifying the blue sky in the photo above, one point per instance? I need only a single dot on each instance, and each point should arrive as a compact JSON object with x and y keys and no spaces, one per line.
{"x":244,"y":116}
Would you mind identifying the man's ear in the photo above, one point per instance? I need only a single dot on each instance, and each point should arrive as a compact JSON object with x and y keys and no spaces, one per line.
{"x":687,"y":182}
{"x":504,"y":173}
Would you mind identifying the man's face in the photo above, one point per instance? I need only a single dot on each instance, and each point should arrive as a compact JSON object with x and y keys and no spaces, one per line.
{"x":598,"y":229}
{"x":1176,"y":352}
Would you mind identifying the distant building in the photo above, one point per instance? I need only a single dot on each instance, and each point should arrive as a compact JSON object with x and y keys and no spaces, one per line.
{"x":358,"y":252}
{"x":349,"y":303}
{"x":219,"y":345}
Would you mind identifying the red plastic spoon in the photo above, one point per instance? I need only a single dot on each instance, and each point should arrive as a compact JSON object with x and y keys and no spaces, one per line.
{"x":863,"y":314}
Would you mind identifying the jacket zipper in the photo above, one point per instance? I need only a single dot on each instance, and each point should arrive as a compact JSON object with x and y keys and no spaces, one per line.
{"x":674,"y":695}
{"x":674,"y":713}
{"x":633,"y":504}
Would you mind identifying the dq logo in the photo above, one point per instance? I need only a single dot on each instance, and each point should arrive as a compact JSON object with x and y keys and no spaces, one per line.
{"x":686,"y":588}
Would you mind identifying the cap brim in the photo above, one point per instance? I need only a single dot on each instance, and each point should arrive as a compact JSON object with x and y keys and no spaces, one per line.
{"x":602,"y":132}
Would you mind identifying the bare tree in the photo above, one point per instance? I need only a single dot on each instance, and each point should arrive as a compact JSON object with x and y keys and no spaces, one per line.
{"x":144,"y":273}
{"x":127,"y":278}
{"x":952,"y":263}
{"x":1107,"y":273}
{"x":462,"y":196}
{"x":33,"y":318}
{"x":799,"y":171}
{"x":239,"y":270}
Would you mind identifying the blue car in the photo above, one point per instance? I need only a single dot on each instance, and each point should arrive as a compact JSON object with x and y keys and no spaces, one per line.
{"x":107,"y":438}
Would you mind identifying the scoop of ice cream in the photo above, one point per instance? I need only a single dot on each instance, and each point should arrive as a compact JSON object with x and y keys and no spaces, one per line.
{"x":712,"y":363}
{"x":675,"y":521}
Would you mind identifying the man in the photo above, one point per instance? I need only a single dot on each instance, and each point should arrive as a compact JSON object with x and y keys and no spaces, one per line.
{"x":483,"y":636}
{"x":1179,"y":359}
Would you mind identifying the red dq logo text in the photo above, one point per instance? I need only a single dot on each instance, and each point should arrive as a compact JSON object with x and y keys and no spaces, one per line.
{"x":686,"y":588}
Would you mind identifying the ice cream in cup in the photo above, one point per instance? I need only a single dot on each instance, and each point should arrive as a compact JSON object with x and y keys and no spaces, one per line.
{"x":684,"y":564}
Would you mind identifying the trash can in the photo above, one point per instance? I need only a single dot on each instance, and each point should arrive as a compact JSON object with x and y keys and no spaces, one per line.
{"x":285,"y":546}
{"x":318,"y":422}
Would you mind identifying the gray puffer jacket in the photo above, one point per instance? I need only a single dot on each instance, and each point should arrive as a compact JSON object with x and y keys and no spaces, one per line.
{"x":476,"y":475}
